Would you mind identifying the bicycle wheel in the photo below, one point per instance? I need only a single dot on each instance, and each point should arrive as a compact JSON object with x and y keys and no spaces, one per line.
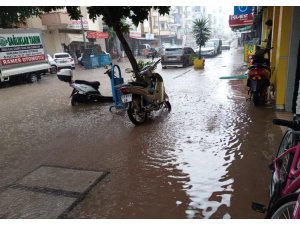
{"x":284,"y":166}
{"x":289,"y":140}
{"x":283,"y":208}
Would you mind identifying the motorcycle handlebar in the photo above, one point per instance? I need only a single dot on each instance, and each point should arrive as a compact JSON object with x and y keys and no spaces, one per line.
{"x":286,"y":123}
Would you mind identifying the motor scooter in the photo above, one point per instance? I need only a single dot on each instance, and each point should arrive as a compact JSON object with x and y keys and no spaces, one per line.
{"x":259,"y":74}
{"x":145,"y":95}
{"x":83,"y":91}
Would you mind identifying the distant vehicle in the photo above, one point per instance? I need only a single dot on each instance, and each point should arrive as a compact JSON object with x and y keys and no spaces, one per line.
{"x":225,"y":45}
{"x":53,"y":68}
{"x":180,"y":56}
{"x":218,"y":43}
{"x":144,"y":49}
{"x":22,"y":55}
{"x":64,"y":60}
{"x":209,"y":49}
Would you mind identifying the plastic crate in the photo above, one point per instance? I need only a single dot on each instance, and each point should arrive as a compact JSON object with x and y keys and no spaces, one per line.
{"x":91,"y":62}
{"x":103,"y":59}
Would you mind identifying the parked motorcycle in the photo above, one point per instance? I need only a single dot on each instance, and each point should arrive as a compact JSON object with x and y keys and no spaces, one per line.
{"x":83,"y":91}
{"x":145,"y":95}
{"x":259,"y":74}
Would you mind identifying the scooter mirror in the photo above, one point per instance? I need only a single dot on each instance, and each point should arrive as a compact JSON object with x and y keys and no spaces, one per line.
{"x":128,"y":70}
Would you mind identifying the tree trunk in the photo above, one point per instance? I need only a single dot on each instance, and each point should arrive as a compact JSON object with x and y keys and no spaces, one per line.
{"x":200,"y":52}
{"x":117,"y":29}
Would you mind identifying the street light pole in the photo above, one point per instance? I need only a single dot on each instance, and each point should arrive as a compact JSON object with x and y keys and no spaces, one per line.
{"x":159,"y":29}
{"x":82,"y":29}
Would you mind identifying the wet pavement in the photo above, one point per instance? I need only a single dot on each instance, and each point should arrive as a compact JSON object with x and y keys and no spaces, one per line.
{"x":208,"y":158}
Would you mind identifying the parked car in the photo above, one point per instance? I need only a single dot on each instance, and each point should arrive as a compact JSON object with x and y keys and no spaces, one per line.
{"x":53,"y":68}
{"x":225,"y":45}
{"x":64,"y":60}
{"x":209,"y":49}
{"x":177,"y":56}
{"x":218,"y":43}
{"x":144,"y":49}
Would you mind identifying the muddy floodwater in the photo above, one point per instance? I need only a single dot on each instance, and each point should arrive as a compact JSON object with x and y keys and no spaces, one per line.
{"x":207,"y":158}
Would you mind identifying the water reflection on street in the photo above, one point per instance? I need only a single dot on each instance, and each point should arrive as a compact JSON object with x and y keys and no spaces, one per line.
{"x":177,"y":165}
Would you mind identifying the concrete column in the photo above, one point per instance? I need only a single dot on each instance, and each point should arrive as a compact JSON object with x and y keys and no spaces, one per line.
{"x":283,"y":43}
{"x":264,"y":30}
{"x":276,"y":14}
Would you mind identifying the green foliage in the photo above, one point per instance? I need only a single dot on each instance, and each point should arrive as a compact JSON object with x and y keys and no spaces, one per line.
{"x":193,"y":57}
{"x":136,"y":13}
{"x":142,"y":64}
{"x":201,"y":32}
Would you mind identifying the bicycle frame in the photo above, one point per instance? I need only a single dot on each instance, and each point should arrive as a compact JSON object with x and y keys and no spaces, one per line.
{"x":296,"y":213}
{"x":293,"y":178}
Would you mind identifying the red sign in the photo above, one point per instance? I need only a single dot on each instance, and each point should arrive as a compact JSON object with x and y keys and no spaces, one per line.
{"x":97,"y":35}
{"x":25,"y":59}
{"x":240,"y":20}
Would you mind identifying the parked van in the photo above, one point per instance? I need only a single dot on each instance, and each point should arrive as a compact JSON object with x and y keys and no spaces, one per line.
{"x":22,"y":55}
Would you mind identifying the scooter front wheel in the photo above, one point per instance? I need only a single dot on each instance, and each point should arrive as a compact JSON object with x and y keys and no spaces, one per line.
{"x":168,"y":106}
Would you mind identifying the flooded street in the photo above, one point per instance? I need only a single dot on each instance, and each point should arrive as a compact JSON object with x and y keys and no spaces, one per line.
{"x":207,"y":158}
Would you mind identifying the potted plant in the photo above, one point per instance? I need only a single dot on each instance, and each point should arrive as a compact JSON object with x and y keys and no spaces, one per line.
{"x":201,"y":32}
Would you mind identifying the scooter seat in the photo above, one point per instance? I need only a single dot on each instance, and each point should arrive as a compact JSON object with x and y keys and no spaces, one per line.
{"x":94,"y":84}
{"x":142,"y":84}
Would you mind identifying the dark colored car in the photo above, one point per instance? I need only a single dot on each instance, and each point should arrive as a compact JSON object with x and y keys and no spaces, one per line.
{"x":177,"y":56}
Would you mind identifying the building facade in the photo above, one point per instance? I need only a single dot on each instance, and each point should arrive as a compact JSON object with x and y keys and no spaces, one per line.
{"x":285,"y":55}
{"x":61,"y":34}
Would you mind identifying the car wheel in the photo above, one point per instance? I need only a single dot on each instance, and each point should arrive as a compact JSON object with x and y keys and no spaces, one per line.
{"x":53,"y":69}
{"x":33,"y":78}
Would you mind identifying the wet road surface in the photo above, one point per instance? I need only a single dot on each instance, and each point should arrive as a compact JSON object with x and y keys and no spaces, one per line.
{"x":208,"y":158}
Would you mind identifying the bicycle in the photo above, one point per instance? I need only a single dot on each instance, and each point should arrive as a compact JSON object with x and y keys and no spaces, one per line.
{"x":285,"y":182}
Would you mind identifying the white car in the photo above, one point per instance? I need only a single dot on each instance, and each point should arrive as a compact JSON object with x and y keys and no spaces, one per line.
{"x":209,"y":49}
{"x":53,"y":68}
{"x":64,"y":60}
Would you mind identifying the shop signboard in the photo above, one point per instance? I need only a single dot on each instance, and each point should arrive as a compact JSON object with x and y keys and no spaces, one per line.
{"x":240,"y":20}
{"x":76,"y":24}
{"x":135,"y":34}
{"x":238,"y":10}
{"x":21,"y":48}
{"x":97,"y":35}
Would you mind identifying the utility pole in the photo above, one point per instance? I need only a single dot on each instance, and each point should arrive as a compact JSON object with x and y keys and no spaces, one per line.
{"x":82,"y":30}
{"x":158,"y":28}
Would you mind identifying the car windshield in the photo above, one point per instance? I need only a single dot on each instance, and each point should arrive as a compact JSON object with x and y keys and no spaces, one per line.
{"x":61,"y":56}
{"x":173,"y":51}
{"x":225,"y":42}
{"x":209,"y":44}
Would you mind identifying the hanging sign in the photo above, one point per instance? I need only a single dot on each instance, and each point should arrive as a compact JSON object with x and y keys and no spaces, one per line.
{"x":97,"y":35}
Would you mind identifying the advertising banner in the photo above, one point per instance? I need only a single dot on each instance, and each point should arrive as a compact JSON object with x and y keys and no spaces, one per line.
{"x":21,"y":48}
{"x":240,"y":20}
{"x":97,"y":35}
{"x":76,"y":24}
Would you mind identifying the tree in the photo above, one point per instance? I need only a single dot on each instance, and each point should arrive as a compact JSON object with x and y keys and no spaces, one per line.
{"x":112,"y":16}
{"x":201,"y":32}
